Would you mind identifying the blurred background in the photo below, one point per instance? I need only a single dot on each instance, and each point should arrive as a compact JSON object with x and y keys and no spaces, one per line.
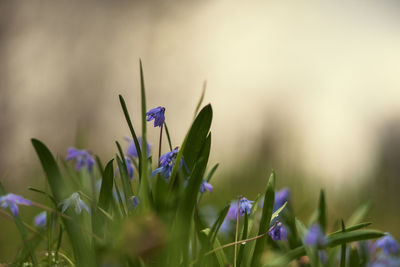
{"x":311,"y":90}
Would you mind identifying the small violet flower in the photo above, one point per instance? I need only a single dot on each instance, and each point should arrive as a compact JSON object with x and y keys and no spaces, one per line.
{"x":244,"y":207}
{"x":157,"y":114}
{"x":75,"y":201}
{"x":135,"y":201}
{"x":40,"y":219}
{"x":82,"y":158}
{"x":167,"y":162}
{"x":205,"y":187}
{"x":388,"y":244}
{"x":129,"y":166}
{"x":12,"y":201}
{"x":315,"y":236}
{"x":281,"y":197}
{"x":131,"y":150}
{"x":277,"y":232}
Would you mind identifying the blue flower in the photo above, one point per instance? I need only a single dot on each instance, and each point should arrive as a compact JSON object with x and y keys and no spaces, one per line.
{"x":82,"y":157}
{"x":131,"y":150}
{"x":388,"y":244}
{"x":277,"y":231}
{"x":40,"y":219}
{"x":384,"y":260}
{"x":167,"y":162}
{"x":12,"y":201}
{"x":157,"y":114}
{"x":135,"y":201}
{"x":244,"y":207}
{"x":315,"y":237}
{"x":205,"y":187}
{"x":75,"y":201}
{"x":129,"y":166}
{"x":281,"y":197}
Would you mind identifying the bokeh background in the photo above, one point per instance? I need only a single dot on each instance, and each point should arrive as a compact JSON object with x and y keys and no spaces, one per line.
{"x":310,"y":89}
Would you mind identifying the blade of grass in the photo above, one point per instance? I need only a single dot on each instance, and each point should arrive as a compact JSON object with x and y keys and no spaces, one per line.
{"x":322,"y":211}
{"x":168,"y":136}
{"x":129,"y":122}
{"x":203,"y":92}
{"x":144,"y":183}
{"x":267,"y":210}
{"x":244,"y":236}
{"x":343,"y":250}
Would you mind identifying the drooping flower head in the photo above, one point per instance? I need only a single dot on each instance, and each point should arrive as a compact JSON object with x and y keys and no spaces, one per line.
{"x":315,"y":237}
{"x":156,"y":114}
{"x":75,"y":201}
{"x":388,"y":244}
{"x":167,"y":162}
{"x":205,"y":187}
{"x":277,"y":231}
{"x":40,"y":219}
{"x":131,"y":150}
{"x":12,"y":201}
{"x":82,"y":158}
{"x":244,"y":207}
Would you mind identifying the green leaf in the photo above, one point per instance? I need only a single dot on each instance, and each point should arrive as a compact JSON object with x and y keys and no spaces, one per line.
{"x":267,"y":210}
{"x":360,"y":214}
{"x":276,"y":213}
{"x":186,"y":206}
{"x":354,"y":259}
{"x":333,"y":241}
{"x":43,"y":193}
{"x":106,"y":196}
{"x":203,"y":92}
{"x":343,"y":250}
{"x":322,"y":211}
{"x":129,"y":122}
{"x":83,"y":252}
{"x":217,"y":224}
{"x":353,"y":228}
{"x":144,"y":173}
{"x":244,"y":236}
{"x":220,"y":254}
{"x":193,"y":142}
{"x":168,"y":136}
{"x":211,"y":172}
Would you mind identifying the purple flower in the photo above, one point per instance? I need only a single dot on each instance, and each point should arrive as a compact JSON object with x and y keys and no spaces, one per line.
{"x":75,"y":201}
{"x":244,"y":207}
{"x":277,"y":232}
{"x":388,"y":244}
{"x":40,"y":219}
{"x":315,"y":237}
{"x":157,"y":114}
{"x":384,"y":260}
{"x":167,"y":162}
{"x":281,"y":197}
{"x":82,"y":158}
{"x":131,"y":150}
{"x":135,"y":201}
{"x":129,"y":166}
{"x":205,"y":187}
{"x":12,"y":201}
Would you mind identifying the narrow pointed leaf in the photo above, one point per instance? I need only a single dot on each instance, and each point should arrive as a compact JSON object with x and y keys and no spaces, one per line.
{"x":267,"y":210}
